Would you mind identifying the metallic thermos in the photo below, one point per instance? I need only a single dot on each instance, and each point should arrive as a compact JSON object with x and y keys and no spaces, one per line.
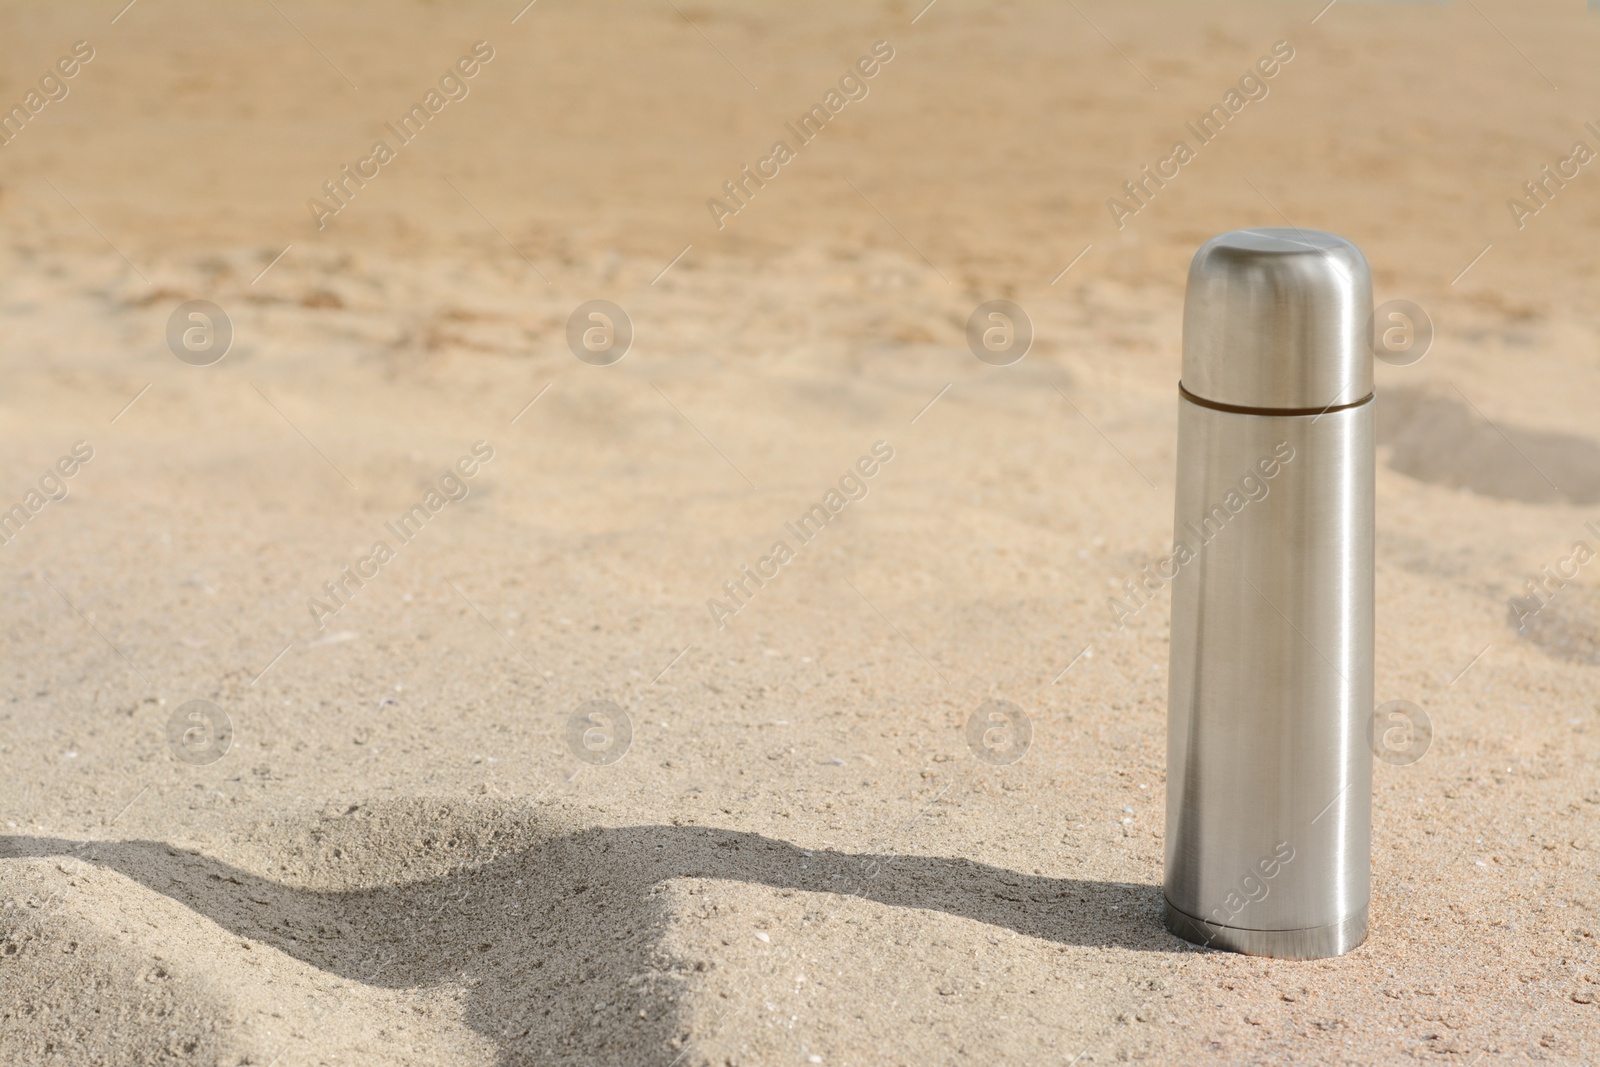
{"x":1269,"y":774}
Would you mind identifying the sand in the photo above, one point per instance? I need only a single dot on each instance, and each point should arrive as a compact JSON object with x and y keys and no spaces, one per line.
{"x":798,"y":858}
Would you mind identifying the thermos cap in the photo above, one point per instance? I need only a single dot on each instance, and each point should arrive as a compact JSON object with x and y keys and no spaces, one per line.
{"x":1278,"y":319}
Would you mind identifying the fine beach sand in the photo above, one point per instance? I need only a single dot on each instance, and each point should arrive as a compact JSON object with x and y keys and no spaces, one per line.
{"x":799,"y":858}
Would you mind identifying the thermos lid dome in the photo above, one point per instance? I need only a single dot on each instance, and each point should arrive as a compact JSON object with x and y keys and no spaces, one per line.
{"x":1278,"y":319}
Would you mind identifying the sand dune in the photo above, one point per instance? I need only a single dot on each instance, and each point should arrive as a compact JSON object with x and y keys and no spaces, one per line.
{"x":403,"y":856}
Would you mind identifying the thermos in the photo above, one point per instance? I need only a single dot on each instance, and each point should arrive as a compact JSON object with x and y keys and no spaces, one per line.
{"x":1269,"y":773}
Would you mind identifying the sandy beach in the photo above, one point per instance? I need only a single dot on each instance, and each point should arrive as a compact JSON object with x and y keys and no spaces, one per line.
{"x":396,"y":828}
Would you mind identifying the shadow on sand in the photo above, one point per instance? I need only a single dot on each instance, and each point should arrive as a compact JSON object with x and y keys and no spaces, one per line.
{"x":541,"y":935}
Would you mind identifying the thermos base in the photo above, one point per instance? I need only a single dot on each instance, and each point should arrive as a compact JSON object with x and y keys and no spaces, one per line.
{"x":1315,"y":943}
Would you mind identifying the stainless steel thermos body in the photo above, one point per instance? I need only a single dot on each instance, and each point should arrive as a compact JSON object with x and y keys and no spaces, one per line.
{"x":1269,"y":772}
